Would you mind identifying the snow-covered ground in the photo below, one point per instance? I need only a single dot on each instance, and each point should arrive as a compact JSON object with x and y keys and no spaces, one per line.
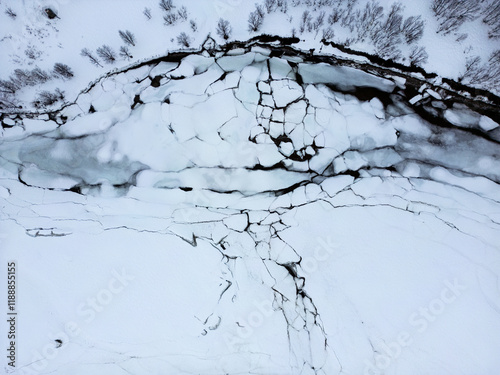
{"x":31,"y":39}
{"x":247,"y":212}
{"x":237,"y":213}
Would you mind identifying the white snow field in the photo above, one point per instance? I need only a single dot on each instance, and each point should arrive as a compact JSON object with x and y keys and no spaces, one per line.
{"x":248,"y":213}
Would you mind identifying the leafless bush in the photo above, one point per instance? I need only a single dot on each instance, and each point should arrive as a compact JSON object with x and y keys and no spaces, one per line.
{"x":10,"y":13}
{"x":387,"y":34}
{"x":386,"y":49}
{"x":486,"y":75}
{"x":335,"y":16}
{"x":320,"y":20}
{"x":8,"y":100}
{"x":183,"y":13}
{"x":125,"y":53}
{"x":305,"y":22}
{"x":492,"y":13}
{"x":170,"y":19}
{"x":328,"y":34}
{"x":475,"y":72}
{"x":166,"y":5}
{"x":47,"y":98}
{"x":453,"y":13}
{"x":23,"y":77}
{"x":348,"y":17}
{"x":127,"y":36}
{"x":392,"y":25}
{"x":193,"y":25}
{"x":418,"y":56}
{"x":282,"y":5}
{"x":32,"y":52}
{"x":62,"y":71}
{"x":184,"y":40}
{"x":147,"y":13}
{"x":255,"y":20}
{"x":224,"y":29}
{"x":368,"y":19}
{"x":492,"y":19}
{"x":106,"y":53}
{"x":413,"y":29}
{"x":494,"y":33}
{"x":260,"y":10}
{"x":270,"y":5}
{"x":9,"y":86}
{"x":26,"y":77}
{"x":40,"y":76}
{"x":85,"y":52}
{"x":347,"y":42}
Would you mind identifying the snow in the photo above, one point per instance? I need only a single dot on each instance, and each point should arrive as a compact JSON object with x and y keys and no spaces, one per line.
{"x":233,"y":220}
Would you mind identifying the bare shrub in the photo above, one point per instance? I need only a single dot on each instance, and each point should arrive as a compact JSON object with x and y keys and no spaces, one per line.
{"x":328,"y":34}
{"x":106,"y":53}
{"x":183,"y":13}
{"x":255,"y":20}
{"x":224,"y":29}
{"x":260,"y":10}
{"x":453,"y":13}
{"x":492,"y":13}
{"x":166,"y":5}
{"x":193,"y":25}
{"x":282,"y":5}
{"x":85,"y":52}
{"x":270,"y":5}
{"x":418,"y":56}
{"x":387,"y":34}
{"x":40,"y":76}
{"x":47,"y":98}
{"x":9,"y":86}
{"x":170,"y":19}
{"x":128,"y":37}
{"x":305,"y":22}
{"x":320,"y":20}
{"x":125,"y":53}
{"x":10,"y":13}
{"x":32,"y":52}
{"x":184,"y":40}
{"x":335,"y":16}
{"x":492,"y":19}
{"x":62,"y":71}
{"x":413,"y":29}
{"x":368,"y":19}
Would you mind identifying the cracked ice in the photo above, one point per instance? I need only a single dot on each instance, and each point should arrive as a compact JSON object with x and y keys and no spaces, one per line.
{"x":279,"y":216}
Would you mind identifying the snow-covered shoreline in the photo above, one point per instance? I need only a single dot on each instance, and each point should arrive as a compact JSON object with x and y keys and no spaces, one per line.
{"x":31,"y":40}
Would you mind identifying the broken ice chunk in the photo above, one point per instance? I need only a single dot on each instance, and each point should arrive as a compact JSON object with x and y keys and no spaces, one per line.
{"x":285,"y":92}
{"x":487,"y":124}
{"x":416,"y":99}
